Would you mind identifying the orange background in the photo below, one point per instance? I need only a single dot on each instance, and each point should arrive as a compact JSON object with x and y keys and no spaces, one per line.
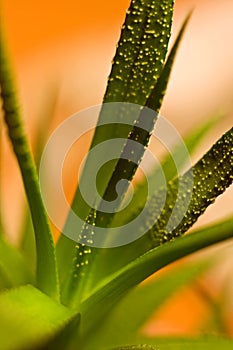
{"x":71,"y":44}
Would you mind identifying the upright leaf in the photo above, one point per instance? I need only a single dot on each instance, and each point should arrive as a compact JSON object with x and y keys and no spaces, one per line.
{"x":46,"y":263}
{"x":137,"y":66}
{"x":27,"y":237}
{"x":154,"y":101}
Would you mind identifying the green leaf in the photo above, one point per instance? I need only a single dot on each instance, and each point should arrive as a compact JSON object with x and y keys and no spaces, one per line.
{"x":13,"y":268}
{"x":203,"y":343}
{"x":47,"y":279}
{"x":113,"y":288}
{"x":186,"y":199}
{"x":136,"y":347}
{"x":137,"y":66}
{"x":209,"y":178}
{"x":191,"y":141}
{"x":123,"y":169}
{"x":123,"y":323}
{"x":110,"y":260}
{"x":29,"y":318}
{"x":27,"y":238}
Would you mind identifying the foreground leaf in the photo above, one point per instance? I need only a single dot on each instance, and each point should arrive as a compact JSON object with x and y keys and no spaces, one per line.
{"x":47,"y":279}
{"x":136,"y":347}
{"x":111,"y":290}
{"x":204,"y":343}
{"x":29,"y":318}
{"x":125,"y":320}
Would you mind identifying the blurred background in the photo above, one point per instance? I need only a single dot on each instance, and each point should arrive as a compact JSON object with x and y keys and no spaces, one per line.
{"x":61,"y":52}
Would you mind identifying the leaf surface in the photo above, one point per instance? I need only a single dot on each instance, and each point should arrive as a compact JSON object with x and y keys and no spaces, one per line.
{"x":113,"y":288}
{"x":13,"y":268}
{"x":30,"y":318}
{"x":137,"y":66}
{"x":130,"y":314}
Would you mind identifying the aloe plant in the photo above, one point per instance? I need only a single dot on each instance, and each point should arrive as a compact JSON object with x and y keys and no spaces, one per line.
{"x":82,"y":294}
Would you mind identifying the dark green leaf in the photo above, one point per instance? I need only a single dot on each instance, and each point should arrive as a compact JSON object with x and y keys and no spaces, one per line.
{"x":136,"y":69}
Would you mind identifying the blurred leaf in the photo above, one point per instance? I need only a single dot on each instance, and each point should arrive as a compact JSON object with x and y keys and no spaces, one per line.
{"x":47,"y":278}
{"x":13,"y":268}
{"x":29,"y":318}
{"x":125,"y":320}
{"x":205,"y":343}
{"x":113,"y":288}
{"x":27,"y":245}
{"x":136,"y":347}
{"x":27,"y":238}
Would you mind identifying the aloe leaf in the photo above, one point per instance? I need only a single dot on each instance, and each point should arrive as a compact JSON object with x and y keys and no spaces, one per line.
{"x":130,"y":314}
{"x":47,"y":279}
{"x":1,"y":223}
{"x":207,"y":342}
{"x":29,"y":318}
{"x":136,"y":347}
{"x":113,"y":288}
{"x":13,"y":268}
{"x":136,"y":68}
{"x":191,"y":141}
{"x":153,"y":102}
{"x":203,"y":184}
{"x":211,"y":176}
{"x":110,"y":260}
{"x":64,"y":338}
{"x":27,"y":238}
{"x":124,"y":168}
